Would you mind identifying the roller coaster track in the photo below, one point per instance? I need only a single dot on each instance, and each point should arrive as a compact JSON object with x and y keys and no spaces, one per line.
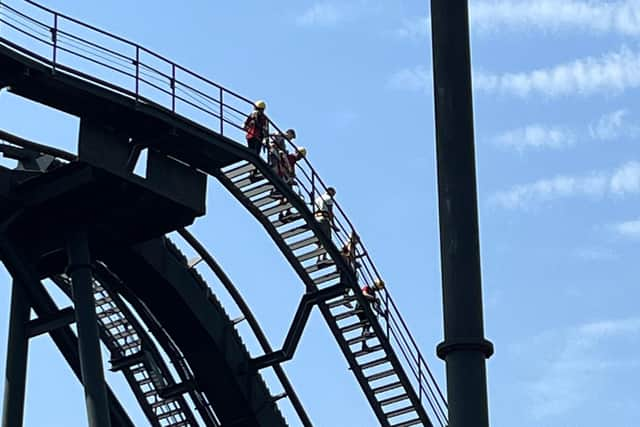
{"x":393,"y":373}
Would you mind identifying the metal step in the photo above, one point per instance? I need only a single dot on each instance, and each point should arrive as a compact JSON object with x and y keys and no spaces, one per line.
{"x":103,"y":301}
{"x":137,"y":370}
{"x":294,"y":231}
{"x":370,"y":350}
{"x":264,"y":201}
{"x":170,"y":414}
{"x":354,"y":326}
{"x":326,"y":277}
{"x":248,"y":167}
{"x":115,"y":323}
{"x":144,"y":381}
{"x":345,"y":315}
{"x":162,"y":402}
{"x":401,"y":411}
{"x":258,"y":190}
{"x":374,"y":363}
{"x":317,"y":267}
{"x":130,"y":346}
{"x":302,"y":243}
{"x":150,"y":393}
{"x":295,"y":217}
{"x":312,"y":254}
{"x":127,"y":333}
{"x":394,"y":399}
{"x":387,"y":387}
{"x":380,"y":375}
{"x":276,"y":209}
{"x":408,"y":423}
{"x":341,"y":301}
{"x":246,"y":182}
{"x":108,"y":312}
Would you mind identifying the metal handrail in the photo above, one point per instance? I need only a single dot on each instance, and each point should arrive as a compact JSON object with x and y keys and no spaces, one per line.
{"x":226,"y":115}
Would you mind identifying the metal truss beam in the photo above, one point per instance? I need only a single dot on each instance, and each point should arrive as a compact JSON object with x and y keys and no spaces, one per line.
{"x":297,"y":326}
{"x":51,"y":322}
{"x":43,"y":305}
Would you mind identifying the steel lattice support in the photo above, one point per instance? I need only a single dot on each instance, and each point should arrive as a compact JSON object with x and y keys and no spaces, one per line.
{"x":464,"y":348}
{"x":17,"y":352}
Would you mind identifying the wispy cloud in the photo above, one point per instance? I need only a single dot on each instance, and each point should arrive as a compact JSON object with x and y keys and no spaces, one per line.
{"x":536,"y":136}
{"x":332,"y":13}
{"x":414,"y":28}
{"x":577,"y":358}
{"x":621,"y":17}
{"x":613,"y":72}
{"x":417,"y":79}
{"x":626,"y":179}
{"x":620,"y":182}
{"x":497,"y":16}
{"x":630,"y":229}
{"x":608,"y":127}
{"x":323,"y":14}
{"x":609,"y":74}
{"x":614,"y":125}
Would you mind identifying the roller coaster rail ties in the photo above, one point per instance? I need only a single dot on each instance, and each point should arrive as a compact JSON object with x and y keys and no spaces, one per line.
{"x":61,"y":42}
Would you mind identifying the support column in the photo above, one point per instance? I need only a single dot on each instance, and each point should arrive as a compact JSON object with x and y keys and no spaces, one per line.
{"x":464,"y":348}
{"x":17,"y":353}
{"x":88,"y":343}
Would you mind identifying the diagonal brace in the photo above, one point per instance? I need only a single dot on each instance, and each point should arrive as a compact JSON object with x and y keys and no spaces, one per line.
{"x":51,"y":321}
{"x":297,"y":326}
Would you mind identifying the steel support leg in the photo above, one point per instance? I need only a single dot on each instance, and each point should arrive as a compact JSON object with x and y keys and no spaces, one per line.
{"x":464,"y":348}
{"x":17,"y":353}
{"x":88,"y":343}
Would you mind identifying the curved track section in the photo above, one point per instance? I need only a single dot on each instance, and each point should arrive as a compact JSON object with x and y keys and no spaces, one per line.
{"x":156,"y":275}
{"x":124,"y":325}
{"x":135,"y":354}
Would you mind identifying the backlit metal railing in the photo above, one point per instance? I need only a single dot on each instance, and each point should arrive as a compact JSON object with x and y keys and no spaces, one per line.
{"x":70,"y":46}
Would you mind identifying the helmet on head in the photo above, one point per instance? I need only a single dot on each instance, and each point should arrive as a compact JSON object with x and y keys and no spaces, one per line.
{"x":291,"y":133}
{"x":378,"y":283}
{"x":260,"y":105}
{"x":302,"y":151}
{"x":331,"y":191}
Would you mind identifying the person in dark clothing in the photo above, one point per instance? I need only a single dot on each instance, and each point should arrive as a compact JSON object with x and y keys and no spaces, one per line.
{"x":369,"y":294}
{"x":348,"y":253}
{"x":287,"y":172}
{"x":277,"y":148}
{"x":257,"y":128}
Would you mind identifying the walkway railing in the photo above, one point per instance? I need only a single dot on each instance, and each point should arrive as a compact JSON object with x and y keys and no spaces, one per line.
{"x":70,"y":46}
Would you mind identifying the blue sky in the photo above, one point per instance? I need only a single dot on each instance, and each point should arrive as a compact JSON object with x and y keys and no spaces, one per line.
{"x":555,"y":100}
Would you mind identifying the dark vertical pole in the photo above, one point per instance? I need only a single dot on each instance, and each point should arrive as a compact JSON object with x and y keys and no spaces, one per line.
{"x":88,"y":344}
{"x":464,"y":348}
{"x":17,"y":352}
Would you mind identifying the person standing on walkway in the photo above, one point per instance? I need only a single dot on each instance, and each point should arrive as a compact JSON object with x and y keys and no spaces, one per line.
{"x":324,"y":216}
{"x":257,"y":128}
{"x":369,"y":294}
{"x":287,"y":172}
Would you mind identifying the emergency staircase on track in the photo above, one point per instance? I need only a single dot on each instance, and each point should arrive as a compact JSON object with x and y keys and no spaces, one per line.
{"x":376,"y":366}
{"x":133,"y":353}
{"x":392,"y":373}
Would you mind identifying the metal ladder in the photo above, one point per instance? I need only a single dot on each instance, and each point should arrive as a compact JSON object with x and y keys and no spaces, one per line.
{"x":377,"y":368}
{"x":144,"y":373}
